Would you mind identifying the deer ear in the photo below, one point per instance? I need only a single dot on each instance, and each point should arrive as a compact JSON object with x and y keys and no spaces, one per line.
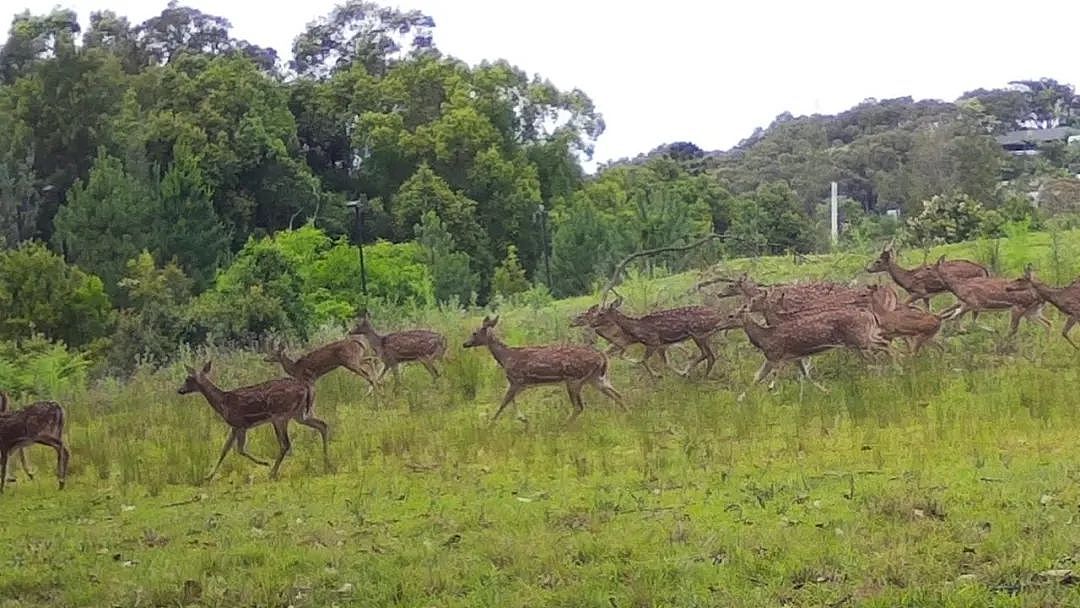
{"x":617,"y":303}
{"x":495,"y":321}
{"x":206,"y":368}
{"x":190,"y":370}
{"x":940,"y":260}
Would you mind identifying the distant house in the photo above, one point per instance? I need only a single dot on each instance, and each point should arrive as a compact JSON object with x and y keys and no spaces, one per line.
{"x":1026,"y":142}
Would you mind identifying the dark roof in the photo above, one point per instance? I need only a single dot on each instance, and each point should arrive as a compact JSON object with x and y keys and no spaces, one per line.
{"x":1036,"y":136}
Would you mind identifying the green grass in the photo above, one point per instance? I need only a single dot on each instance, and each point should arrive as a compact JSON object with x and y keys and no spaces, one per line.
{"x":950,"y":481}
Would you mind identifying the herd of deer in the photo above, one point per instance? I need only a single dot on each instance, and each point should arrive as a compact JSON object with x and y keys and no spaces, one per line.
{"x":801,"y":320}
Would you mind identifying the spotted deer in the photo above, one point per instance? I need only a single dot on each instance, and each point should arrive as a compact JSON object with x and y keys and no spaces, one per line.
{"x":915,"y":326}
{"x":1066,"y":299}
{"x":986,"y":294}
{"x":924,"y":282}
{"x":528,"y":366}
{"x":4,"y":403}
{"x":804,"y":336}
{"x":42,"y":423}
{"x":666,"y":327}
{"x":796,"y":296}
{"x":786,"y":307}
{"x":594,"y":319}
{"x":393,"y":349}
{"x":275,"y":402}
{"x":349,"y":353}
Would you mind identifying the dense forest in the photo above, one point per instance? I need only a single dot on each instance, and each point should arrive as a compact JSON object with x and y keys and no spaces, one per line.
{"x":165,"y":183}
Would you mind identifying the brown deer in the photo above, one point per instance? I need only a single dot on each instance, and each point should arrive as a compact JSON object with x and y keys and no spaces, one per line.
{"x":593,"y":318}
{"x":403,"y":347}
{"x":810,"y":334}
{"x":924,"y":282}
{"x":41,"y":422}
{"x":1066,"y":299}
{"x":275,"y":402}
{"x":666,"y":327}
{"x":984,"y":294}
{"x":349,"y":353}
{"x":914,"y":325}
{"x":529,"y":366}
{"x":4,"y":403}
{"x":786,"y":307}
{"x":797,"y":296}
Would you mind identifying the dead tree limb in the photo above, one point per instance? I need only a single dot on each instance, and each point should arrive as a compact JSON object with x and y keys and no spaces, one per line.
{"x":650,"y":252}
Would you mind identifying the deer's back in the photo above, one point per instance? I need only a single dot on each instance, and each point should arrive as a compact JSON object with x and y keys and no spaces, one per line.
{"x":42,"y":417}
{"x":276,"y":398}
{"x":413,"y":344}
{"x":681,"y":323}
{"x":328,"y":358}
{"x":556,"y":363}
{"x":824,"y":329}
{"x":994,"y":291}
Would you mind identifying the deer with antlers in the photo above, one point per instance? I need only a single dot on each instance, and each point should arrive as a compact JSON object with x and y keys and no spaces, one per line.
{"x":666,"y":327}
{"x":275,"y":402}
{"x":529,"y":366}
{"x":799,"y":338}
{"x":349,"y":353}
{"x":393,"y":349}
{"x":986,"y":294}
{"x":1066,"y":299}
{"x":41,"y":422}
{"x":924,"y":282}
{"x":915,"y":326}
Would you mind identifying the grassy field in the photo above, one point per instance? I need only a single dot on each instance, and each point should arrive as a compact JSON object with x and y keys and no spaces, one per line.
{"x":949,"y":480}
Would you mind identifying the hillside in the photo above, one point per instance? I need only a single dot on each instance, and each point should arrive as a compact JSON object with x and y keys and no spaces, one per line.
{"x":941,"y":480}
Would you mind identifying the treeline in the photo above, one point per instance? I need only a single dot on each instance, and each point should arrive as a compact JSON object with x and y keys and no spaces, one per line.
{"x":165,"y":183}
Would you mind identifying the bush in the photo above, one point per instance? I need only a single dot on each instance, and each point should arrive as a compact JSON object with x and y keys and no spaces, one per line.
{"x":155,"y":325}
{"x":41,"y":368}
{"x":40,"y":293}
{"x":952,"y":219}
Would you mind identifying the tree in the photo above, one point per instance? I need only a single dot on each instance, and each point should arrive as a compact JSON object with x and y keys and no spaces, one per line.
{"x":450,"y":271}
{"x":153,"y":325}
{"x":40,"y":293}
{"x":771,"y":221}
{"x":951,"y":219}
{"x":107,"y":221}
{"x":585,"y":245}
{"x":509,"y":276}
{"x":188,"y":227}
{"x":360,"y":32}
{"x":33,"y":38}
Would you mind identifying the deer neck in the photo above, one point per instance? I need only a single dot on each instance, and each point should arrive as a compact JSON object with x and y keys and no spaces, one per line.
{"x":1045,"y":292}
{"x":901,"y":275}
{"x":757,"y":334}
{"x":214,"y":396}
{"x":501,"y":352}
{"x":375,"y":339}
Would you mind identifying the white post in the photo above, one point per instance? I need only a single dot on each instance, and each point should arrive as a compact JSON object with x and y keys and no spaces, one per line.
{"x":835,"y":228}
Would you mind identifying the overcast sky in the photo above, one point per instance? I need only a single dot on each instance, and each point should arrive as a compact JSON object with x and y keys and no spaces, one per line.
{"x":708,"y":72}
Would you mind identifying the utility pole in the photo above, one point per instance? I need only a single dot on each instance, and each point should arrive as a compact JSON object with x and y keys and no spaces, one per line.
{"x":832,"y":213}
{"x":359,"y":230}
{"x":544,"y":243}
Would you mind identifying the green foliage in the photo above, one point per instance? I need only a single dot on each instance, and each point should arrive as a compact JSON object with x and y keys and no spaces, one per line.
{"x":771,"y":221}
{"x":41,"y":368}
{"x":154,"y":325}
{"x":107,"y":221}
{"x":510,"y":277}
{"x":40,"y":293}
{"x":952,"y":219}
{"x":585,"y":246}
{"x":452,"y":280}
{"x":298,"y":280}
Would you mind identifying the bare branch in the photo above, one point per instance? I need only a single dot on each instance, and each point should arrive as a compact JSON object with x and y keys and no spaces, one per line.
{"x":650,"y":252}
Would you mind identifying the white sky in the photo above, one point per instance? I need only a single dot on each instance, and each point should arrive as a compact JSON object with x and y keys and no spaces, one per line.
{"x":707,"y":71}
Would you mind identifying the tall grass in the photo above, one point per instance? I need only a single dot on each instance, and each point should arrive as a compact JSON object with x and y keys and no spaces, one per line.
{"x":948,"y":479}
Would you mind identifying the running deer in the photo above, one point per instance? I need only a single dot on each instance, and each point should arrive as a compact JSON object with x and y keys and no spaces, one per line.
{"x":1066,"y":299}
{"x":275,"y":402}
{"x":985,"y":294}
{"x":530,"y":366}
{"x":810,"y":334}
{"x":402,"y":347}
{"x":924,"y":282}
{"x":662,"y":328}
{"x":795,"y":295}
{"x":41,"y":422}
{"x":594,"y":319}
{"x":914,"y":325}
{"x":349,"y":353}
{"x":785,"y":308}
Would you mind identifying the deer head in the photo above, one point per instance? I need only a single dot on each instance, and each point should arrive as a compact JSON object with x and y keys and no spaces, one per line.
{"x":590,"y":316}
{"x":881,"y":264}
{"x":482,"y":336}
{"x":274,"y":353}
{"x":194,"y":379}
{"x":363,"y":326}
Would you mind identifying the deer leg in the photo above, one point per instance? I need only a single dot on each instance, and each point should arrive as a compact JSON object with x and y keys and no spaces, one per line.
{"x":62,"y":456}
{"x":511,"y":392}
{"x":1017,"y":314}
{"x":323,"y":429}
{"x":25,"y":465}
{"x":430,"y":366}
{"x":706,"y":355}
{"x":224,"y":451}
{"x":1065,"y":331}
{"x":649,"y":350}
{"x":281,"y":429}
{"x":603,"y":384}
{"x":763,"y":371}
{"x":240,"y":442}
{"x":3,"y":469}
{"x":804,"y":367}
{"x":574,"y":389}
{"x":359,"y":370}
